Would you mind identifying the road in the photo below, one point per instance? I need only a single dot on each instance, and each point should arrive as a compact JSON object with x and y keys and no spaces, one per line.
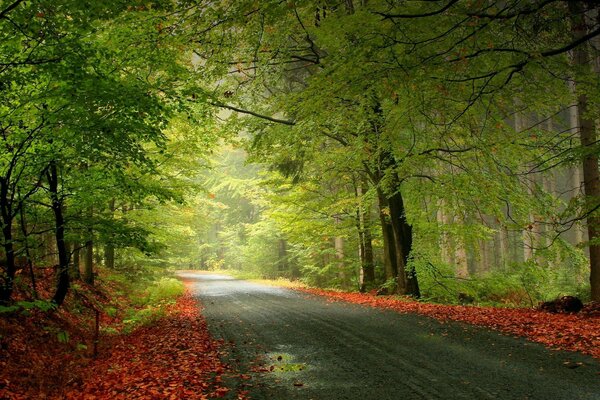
{"x":323,"y":350}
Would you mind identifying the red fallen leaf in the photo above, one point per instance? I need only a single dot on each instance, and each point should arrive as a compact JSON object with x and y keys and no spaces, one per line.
{"x":150,"y":362}
{"x":221,"y":391}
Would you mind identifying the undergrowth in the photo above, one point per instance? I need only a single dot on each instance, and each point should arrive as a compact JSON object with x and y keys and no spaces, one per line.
{"x":42,"y":347}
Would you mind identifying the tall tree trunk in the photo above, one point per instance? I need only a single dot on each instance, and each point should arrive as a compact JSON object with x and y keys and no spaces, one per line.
{"x":588,"y":137}
{"x":9,"y":267}
{"x":338,"y":244}
{"x":62,"y":284}
{"x":369,"y":261}
{"x":402,"y":235}
{"x":460,"y":257}
{"x":389,"y":251}
{"x":75,"y":264}
{"x":28,"y":251}
{"x":282,"y":262}
{"x":406,"y":275}
{"x":575,"y":170}
{"x":445,"y":242}
{"x":88,"y":266}
{"x":365,"y":244}
{"x":519,"y":126}
{"x":109,"y":249}
{"x":9,"y":264}
{"x":361,"y":253}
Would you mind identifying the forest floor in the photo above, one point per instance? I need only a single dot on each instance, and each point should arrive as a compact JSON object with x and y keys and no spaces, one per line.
{"x":49,"y":355}
{"x":295,"y":345}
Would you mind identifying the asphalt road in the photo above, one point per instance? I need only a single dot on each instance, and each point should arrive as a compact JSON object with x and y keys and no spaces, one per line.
{"x":323,"y":350}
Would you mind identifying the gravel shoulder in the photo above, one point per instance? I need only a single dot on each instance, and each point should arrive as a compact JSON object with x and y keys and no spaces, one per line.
{"x":323,"y":350}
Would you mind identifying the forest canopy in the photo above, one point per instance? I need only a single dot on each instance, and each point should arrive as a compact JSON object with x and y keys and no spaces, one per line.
{"x":438,"y":149}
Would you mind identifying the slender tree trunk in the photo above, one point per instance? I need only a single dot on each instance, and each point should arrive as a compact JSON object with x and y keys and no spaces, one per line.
{"x":338,"y":244}
{"x":9,"y":266}
{"x":282,"y":262}
{"x":527,"y":232}
{"x":9,"y":263}
{"x":575,"y":170}
{"x":62,"y":285}
{"x":460,"y":251}
{"x":588,"y":137}
{"x":88,"y":266}
{"x":109,"y":249}
{"x":365,"y":245}
{"x":369,"y":259}
{"x":389,"y":252}
{"x":367,"y":256}
{"x":445,"y":242}
{"x":75,"y":271}
{"x":504,"y":245}
{"x":28,"y":251}
{"x":361,"y":253}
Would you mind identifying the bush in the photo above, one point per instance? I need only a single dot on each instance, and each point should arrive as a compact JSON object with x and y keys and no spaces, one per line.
{"x":165,"y":290}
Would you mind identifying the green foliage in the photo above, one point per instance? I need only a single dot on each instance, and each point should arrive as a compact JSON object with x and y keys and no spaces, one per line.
{"x":26,"y":306}
{"x":148,"y":293}
{"x":142,"y":317}
{"x":164,"y":290}
{"x":465,"y":119}
{"x":63,"y":337}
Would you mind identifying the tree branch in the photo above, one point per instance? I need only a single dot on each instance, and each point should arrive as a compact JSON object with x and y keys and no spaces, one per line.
{"x":525,"y":11}
{"x":571,"y":45}
{"x":429,"y":14}
{"x":254,"y":114}
{"x":8,"y":9}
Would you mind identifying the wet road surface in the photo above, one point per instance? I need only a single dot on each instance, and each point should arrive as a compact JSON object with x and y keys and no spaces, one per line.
{"x":323,"y":350}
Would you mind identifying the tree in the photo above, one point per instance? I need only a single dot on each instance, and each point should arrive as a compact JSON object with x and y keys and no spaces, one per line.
{"x":420,"y":103}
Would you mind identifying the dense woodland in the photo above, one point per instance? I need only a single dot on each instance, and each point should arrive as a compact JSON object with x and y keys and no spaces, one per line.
{"x":440,"y":149}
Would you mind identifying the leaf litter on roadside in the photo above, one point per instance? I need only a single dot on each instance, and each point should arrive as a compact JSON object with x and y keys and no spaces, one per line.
{"x":175,"y":358}
{"x":573,"y":332}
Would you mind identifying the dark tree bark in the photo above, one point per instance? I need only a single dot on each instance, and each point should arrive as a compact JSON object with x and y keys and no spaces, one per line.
{"x":403,"y":235}
{"x":389,"y":250}
{"x":369,"y":261}
{"x":6,"y":213}
{"x":400,"y":238}
{"x":588,"y":137}
{"x":62,"y":284}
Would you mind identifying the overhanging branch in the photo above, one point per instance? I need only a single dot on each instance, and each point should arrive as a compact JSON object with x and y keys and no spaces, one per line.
{"x":9,"y":8}
{"x":254,"y":114}
{"x":428,"y":14}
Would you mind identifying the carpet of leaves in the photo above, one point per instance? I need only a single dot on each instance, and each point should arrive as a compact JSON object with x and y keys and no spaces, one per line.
{"x":173,"y":358}
{"x":573,"y":332}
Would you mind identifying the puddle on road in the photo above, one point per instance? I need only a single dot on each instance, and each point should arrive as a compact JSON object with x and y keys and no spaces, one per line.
{"x":284,"y":362}
{"x":286,"y":368}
